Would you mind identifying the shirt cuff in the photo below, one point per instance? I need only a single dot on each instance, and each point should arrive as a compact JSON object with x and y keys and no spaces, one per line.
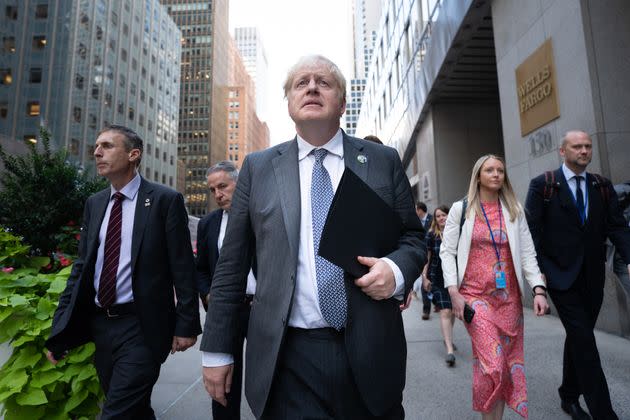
{"x":216,"y":359}
{"x":399,"y":292}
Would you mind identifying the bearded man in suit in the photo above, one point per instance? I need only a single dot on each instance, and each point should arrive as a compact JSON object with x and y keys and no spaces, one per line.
{"x":135,"y":258}
{"x":321,"y":344}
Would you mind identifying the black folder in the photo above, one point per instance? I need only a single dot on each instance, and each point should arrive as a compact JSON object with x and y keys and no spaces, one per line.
{"x":359,"y":222}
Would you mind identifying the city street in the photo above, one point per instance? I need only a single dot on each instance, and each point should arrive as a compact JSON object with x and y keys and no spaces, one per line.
{"x":433,"y":391}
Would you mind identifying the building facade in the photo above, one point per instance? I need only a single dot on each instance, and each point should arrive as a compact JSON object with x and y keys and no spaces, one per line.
{"x":76,"y":66}
{"x":366,"y":15}
{"x":250,"y":45}
{"x":246,"y":133}
{"x":453,"y":80}
{"x":204,"y":77}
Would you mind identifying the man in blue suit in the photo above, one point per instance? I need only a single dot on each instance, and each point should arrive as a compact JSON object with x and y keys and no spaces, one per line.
{"x":571,"y":213}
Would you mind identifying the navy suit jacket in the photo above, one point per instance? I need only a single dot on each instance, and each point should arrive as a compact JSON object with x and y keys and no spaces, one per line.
{"x":564,"y":246}
{"x":162,"y":266}
{"x":207,"y":250}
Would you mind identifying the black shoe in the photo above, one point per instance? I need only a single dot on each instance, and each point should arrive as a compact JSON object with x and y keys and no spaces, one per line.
{"x":450,"y":360}
{"x":573,"y":409}
{"x":425,"y":316}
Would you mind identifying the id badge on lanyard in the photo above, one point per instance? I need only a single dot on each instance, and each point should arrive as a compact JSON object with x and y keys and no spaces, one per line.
{"x":499,"y":275}
{"x":499,"y":266}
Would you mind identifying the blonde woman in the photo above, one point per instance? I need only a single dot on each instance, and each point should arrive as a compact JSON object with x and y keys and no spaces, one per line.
{"x":484,"y":267}
{"x":433,"y":281}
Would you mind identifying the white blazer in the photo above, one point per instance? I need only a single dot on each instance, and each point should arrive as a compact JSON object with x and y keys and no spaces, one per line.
{"x":454,"y":250}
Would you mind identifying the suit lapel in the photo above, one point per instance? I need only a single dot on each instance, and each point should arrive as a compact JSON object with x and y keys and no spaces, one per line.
{"x":96,"y":219}
{"x":143,"y":209}
{"x":355,"y":158}
{"x":285,"y":167}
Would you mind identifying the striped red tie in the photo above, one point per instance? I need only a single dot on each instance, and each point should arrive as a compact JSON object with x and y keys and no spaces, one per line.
{"x":107,"y":284}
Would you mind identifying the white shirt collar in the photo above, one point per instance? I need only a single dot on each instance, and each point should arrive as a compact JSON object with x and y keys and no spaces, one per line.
{"x":568,"y":173}
{"x":334,"y":146}
{"x":130,"y":190}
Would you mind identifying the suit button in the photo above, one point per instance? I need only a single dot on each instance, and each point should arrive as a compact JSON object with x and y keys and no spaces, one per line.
{"x":284,"y":322}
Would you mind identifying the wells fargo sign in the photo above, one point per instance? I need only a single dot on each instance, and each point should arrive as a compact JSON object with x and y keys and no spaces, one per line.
{"x":537,"y":89}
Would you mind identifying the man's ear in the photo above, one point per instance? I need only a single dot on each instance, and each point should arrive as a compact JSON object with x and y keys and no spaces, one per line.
{"x":134,"y":155}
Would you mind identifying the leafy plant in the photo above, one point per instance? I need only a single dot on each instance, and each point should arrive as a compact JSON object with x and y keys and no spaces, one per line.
{"x":30,"y":386}
{"x":42,"y":194}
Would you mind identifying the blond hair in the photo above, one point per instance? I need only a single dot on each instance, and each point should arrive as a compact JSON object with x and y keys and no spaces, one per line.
{"x":312,"y":61}
{"x":506,"y":193}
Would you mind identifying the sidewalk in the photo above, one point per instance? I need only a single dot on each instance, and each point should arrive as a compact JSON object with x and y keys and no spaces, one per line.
{"x":433,"y":391}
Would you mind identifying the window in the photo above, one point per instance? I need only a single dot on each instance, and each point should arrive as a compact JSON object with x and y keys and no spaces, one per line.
{"x":108,"y":101}
{"x":99,"y":33}
{"x":131,"y":113}
{"x":112,"y":44}
{"x":11,"y":12}
{"x":134,"y":64}
{"x":123,"y":55}
{"x":78,"y":81}
{"x":125,"y":29}
{"x":74,"y":147}
{"x":82,"y":50}
{"x":114,"y":19}
{"x":8,"y":44}
{"x":92,"y":120}
{"x":122,"y":80}
{"x":5,"y":77}
{"x":120,"y":107}
{"x":32,"y":108}
{"x":132,"y":89}
{"x":39,"y":42}
{"x":35,"y":75}
{"x":76,"y":114}
{"x":4,"y":109}
{"x":95,"y":91}
{"x":41,"y":11}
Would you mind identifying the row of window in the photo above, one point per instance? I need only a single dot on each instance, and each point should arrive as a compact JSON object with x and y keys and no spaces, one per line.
{"x":41,"y":11}
{"x":38,"y":43}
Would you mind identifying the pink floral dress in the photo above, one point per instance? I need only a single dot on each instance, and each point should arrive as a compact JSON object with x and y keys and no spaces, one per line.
{"x":496,"y":331}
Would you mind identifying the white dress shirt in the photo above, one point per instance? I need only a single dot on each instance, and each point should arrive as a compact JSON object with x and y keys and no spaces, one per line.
{"x":569,"y":176}
{"x":305,"y":311}
{"x":124,"y":292}
{"x":251,"y":280}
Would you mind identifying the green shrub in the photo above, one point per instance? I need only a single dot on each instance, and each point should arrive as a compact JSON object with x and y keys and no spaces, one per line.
{"x":30,"y":386}
{"x":42,"y":193}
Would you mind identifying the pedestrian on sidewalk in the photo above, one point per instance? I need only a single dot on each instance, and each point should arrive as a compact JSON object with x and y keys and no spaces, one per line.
{"x":132,"y":290}
{"x":484,"y":262}
{"x":221,"y":178}
{"x":425,"y":219}
{"x":433,"y":281}
{"x":320,"y":343}
{"x":571,"y":213}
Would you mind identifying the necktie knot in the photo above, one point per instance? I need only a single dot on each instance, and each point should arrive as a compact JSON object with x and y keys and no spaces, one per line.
{"x":319,"y":155}
{"x":118,"y":196}
{"x":578,"y":180}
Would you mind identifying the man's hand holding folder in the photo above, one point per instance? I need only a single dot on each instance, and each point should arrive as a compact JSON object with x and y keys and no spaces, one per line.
{"x":360,"y":229}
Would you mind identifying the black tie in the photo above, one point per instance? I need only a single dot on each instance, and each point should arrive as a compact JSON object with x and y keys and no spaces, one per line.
{"x":579,"y":198}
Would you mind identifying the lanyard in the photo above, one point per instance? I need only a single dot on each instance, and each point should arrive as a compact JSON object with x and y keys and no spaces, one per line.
{"x":497,"y":250}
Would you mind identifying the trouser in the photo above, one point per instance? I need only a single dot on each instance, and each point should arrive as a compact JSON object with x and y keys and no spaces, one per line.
{"x":126,"y":367}
{"x":314,"y":380}
{"x":578,"y":308}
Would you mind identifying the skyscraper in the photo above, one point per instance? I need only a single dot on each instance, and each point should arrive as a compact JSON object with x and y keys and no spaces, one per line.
{"x":366,"y":19}
{"x":246,"y":133}
{"x":75,"y":66}
{"x":203,"y":115}
{"x":250,"y":45}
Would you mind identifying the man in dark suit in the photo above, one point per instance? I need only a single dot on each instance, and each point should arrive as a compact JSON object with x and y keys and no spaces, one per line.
{"x":320,"y":344}
{"x":570,"y":219}
{"x":134,"y":250}
{"x":210,"y":234}
{"x":425,"y":219}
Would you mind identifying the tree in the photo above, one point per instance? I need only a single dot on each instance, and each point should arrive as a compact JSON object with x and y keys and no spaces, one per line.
{"x":43,"y":193}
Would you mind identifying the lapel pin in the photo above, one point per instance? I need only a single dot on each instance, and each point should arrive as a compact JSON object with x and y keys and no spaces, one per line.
{"x":362,"y":158}
{"x":147,"y":202}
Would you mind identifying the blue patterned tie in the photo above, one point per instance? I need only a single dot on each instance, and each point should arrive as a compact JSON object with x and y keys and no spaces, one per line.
{"x":330,"y":288}
{"x":579,"y":199}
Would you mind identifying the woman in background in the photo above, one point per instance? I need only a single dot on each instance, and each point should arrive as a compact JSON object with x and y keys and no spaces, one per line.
{"x":434,"y":281}
{"x":485,"y":261}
